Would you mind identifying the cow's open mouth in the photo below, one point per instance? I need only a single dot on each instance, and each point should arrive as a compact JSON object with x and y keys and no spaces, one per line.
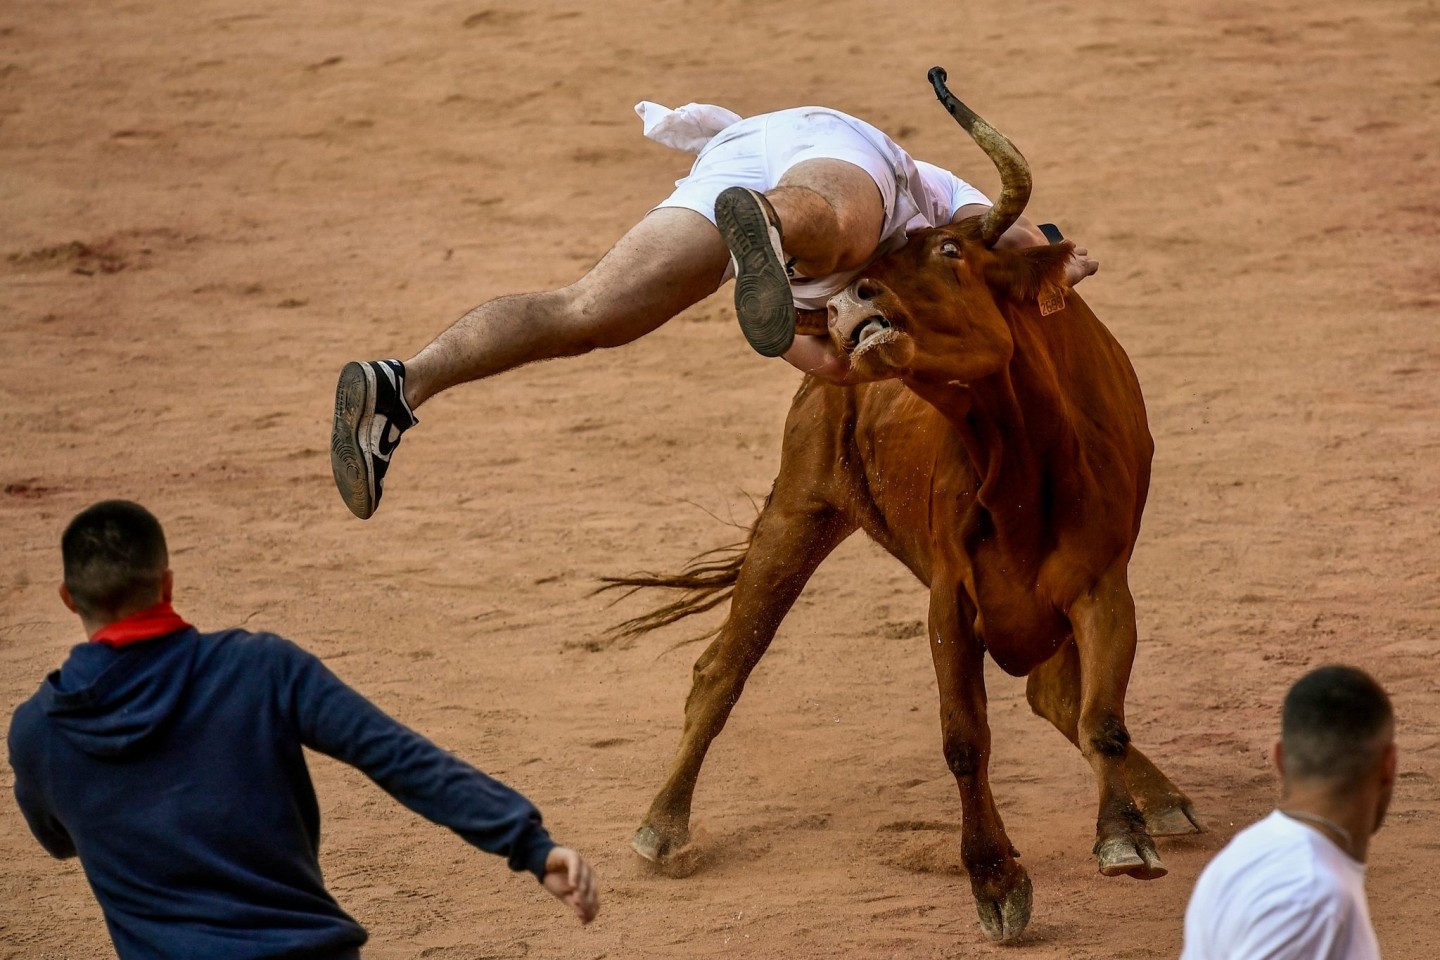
{"x":870,"y":328}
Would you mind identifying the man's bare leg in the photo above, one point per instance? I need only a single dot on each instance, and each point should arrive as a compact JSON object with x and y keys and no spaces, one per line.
{"x":824,"y":215}
{"x":670,"y":260}
{"x":831,"y":213}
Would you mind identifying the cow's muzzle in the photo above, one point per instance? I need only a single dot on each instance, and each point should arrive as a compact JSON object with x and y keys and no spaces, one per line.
{"x":853,"y":318}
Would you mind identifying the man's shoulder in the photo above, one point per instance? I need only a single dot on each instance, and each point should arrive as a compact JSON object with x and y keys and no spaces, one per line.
{"x":931,"y":169}
{"x":250,"y":641}
{"x":1272,"y":836}
{"x":249,"y":646}
{"x":1270,"y":866}
{"x":1290,"y":911}
{"x":942,"y":184}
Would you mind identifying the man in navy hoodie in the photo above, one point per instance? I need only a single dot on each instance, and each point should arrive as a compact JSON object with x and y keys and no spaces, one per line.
{"x":170,"y":762}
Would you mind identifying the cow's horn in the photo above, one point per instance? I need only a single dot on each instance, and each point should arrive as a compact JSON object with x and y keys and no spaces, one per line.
{"x":1014,"y":171}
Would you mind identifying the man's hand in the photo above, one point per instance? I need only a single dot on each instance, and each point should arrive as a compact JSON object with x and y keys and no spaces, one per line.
{"x":818,"y":357}
{"x":1079,"y":266}
{"x":1024,"y":233}
{"x":569,"y":879}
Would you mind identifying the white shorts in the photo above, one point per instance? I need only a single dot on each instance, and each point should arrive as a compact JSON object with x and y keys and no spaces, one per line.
{"x":756,"y":153}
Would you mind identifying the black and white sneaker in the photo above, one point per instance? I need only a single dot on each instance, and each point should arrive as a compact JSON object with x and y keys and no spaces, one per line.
{"x":763,"y":303}
{"x":370,"y":415}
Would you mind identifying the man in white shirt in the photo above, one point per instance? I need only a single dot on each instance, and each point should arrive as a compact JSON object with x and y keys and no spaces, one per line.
{"x":795,"y":202}
{"x":1292,"y":887}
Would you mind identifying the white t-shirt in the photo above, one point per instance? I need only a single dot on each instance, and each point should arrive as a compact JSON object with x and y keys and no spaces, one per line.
{"x":1280,"y":890}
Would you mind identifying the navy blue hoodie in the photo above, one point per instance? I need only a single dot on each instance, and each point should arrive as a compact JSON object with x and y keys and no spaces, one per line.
{"x":173,"y":768}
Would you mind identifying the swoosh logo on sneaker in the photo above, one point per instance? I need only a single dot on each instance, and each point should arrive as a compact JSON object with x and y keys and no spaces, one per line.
{"x":386,"y":446}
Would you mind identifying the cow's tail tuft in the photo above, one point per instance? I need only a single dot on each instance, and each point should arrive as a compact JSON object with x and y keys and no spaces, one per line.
{"x":707,"y":581}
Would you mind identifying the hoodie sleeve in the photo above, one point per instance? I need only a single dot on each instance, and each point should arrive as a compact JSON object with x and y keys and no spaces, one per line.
{"x":340,"y":723}
{"x":41,"y":819}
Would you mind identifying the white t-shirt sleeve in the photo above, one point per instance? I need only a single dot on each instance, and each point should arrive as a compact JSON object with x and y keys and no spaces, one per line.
{"x":945,"y":193}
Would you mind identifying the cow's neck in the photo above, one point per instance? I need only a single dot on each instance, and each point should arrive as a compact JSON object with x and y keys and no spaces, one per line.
{"x":1016,"y":430}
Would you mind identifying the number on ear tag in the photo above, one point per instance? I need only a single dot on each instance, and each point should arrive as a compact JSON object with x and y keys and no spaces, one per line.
{"x":1052,"y":301}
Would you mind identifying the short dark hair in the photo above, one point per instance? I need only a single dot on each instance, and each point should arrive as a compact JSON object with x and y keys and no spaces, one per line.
{"x":114,"y":555}
{"x":1331,"y":725}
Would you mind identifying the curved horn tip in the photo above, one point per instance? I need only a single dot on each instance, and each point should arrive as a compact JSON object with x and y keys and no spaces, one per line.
{"x":937,"y":77}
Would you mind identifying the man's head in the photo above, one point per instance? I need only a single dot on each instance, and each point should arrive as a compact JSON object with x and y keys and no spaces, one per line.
{"x":115,"y":561}
{"x":1337,"y":734}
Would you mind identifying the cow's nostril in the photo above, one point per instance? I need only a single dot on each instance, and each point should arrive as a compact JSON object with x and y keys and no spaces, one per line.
{"x":867,"y":290}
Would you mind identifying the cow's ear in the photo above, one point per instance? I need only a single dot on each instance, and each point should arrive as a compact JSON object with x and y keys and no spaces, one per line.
{"x":1032,"y":273}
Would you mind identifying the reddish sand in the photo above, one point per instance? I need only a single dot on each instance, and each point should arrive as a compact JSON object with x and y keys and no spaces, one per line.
{"x":208,"y":208}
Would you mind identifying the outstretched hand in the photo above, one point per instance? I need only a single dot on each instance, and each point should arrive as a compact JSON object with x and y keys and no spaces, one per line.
{"x":569,"y":879}
{"x":1080,"y":265}
{"x":1025,"y":233}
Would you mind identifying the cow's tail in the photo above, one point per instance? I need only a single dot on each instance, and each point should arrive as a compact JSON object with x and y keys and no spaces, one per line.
{"x":707,"y":581}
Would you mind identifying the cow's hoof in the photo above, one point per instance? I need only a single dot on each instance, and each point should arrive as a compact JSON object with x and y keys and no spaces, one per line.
{"x":649,"y":844}
{"x":1006,"y":918}
{"x":1132,"y":856}
{"x":671,"y":859}
{"x":1175,"y":821}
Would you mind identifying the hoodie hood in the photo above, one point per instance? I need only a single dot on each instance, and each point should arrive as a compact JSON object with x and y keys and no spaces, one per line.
{"x":113,"y":702}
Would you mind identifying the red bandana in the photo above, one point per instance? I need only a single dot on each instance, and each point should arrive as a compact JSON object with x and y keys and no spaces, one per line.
{"x":152,"y":622}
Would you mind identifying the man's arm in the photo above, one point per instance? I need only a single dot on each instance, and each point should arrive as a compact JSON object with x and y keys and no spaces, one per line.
{"x":340,"y":723}
{"x":42,"y":821}
{"x":1024,"y":233}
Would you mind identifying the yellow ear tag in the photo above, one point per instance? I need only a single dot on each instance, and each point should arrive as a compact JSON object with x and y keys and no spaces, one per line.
{"x":1052,"y":301}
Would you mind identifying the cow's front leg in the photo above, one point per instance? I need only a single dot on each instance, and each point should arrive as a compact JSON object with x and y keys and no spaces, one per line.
{"x":788,"y":543}
{"x":1000,"y":884}
{"x":1053,"y":690}
{"x":1104,"y":623}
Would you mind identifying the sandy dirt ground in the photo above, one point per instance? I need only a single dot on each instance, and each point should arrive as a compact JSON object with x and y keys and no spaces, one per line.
{"x":207,"y":208}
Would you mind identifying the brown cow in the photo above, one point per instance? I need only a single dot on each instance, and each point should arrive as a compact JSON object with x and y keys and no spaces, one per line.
{"x":1003,"y":456}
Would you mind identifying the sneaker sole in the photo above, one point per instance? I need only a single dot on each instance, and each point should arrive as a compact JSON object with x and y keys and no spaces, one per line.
{"x":763,"y":303}
{"x":353,"y":397}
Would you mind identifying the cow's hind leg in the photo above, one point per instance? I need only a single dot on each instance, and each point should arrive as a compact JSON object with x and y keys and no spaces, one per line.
{"x":1000,"y":885}
{"x":789,"y":542}
{"x":1053,"y":690}
{"x":1103,"y":620}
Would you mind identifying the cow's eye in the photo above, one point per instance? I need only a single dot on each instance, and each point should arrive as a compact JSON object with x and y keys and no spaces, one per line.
{"x":950,"y":248}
